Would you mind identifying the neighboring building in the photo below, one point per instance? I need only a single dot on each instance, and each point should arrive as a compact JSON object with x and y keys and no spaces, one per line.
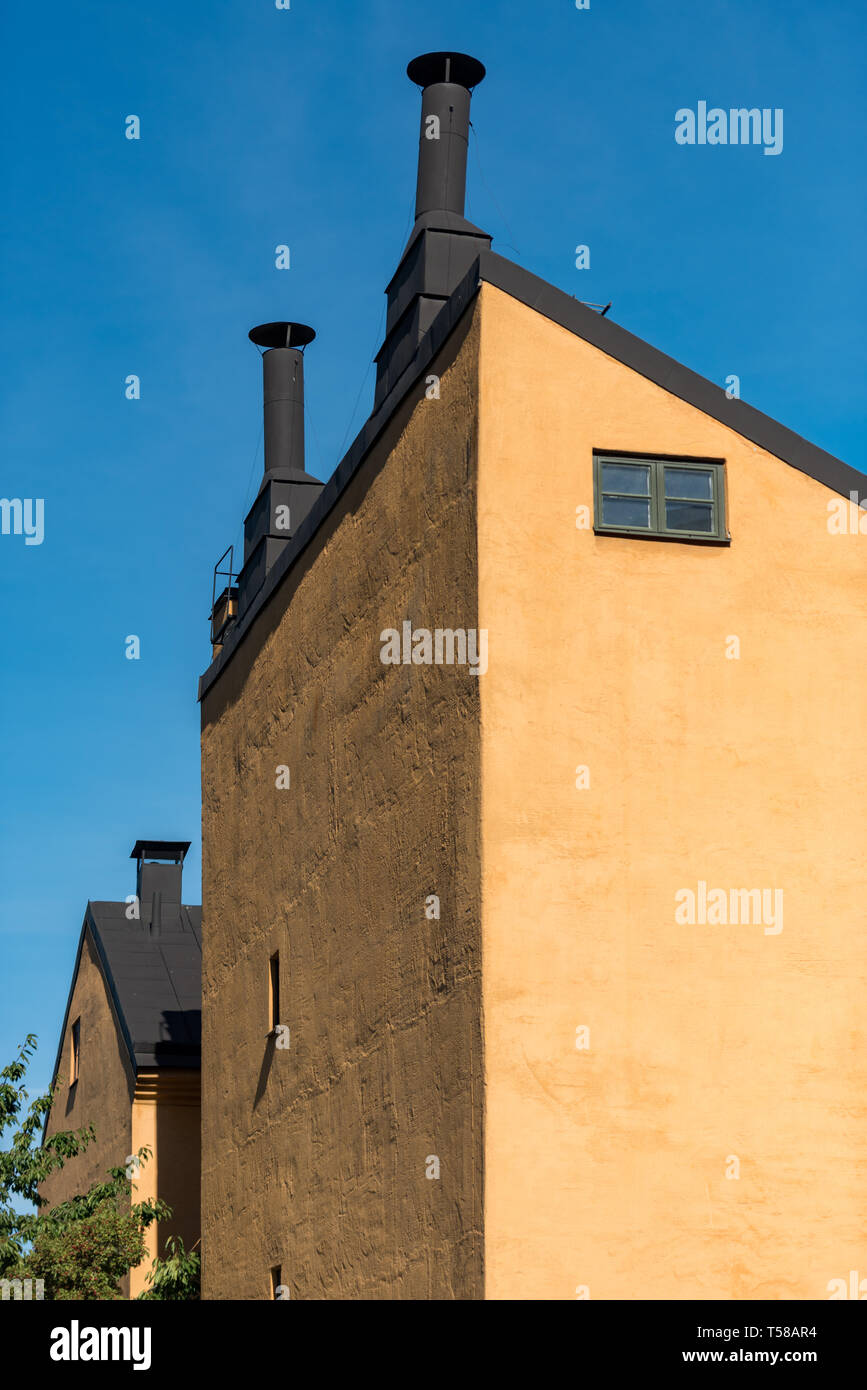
{"x":130,"y":1048}
{"x":515,"y":1069}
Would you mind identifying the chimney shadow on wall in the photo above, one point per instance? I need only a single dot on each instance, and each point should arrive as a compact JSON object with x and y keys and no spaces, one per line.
{"x":265,"y":1069}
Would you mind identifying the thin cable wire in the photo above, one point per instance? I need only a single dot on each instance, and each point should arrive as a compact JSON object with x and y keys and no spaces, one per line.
{"x":489,"y":191}
{"x":260,"y":440}
{"x":308,"y":417}
{"x":376,"y":345}
{"x":363,"y":383}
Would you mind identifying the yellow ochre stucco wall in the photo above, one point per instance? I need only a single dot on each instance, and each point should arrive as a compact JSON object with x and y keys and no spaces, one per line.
{"x":605,"y":1168}
{"x":166,"y":1118}
{"x":146,"y":1182}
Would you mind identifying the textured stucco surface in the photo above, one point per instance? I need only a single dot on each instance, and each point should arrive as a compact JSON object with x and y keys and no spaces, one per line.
{"x":607,"y":1168}
{"x":161,"y":1112}
{"x":102,"y":1096}
{"x":314,"y":1157}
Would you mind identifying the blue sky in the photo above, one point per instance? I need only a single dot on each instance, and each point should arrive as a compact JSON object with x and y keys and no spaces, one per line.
{"x":154,"y":257}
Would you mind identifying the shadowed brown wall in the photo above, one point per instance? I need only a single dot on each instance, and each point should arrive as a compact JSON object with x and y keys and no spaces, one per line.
{"x":314,"y":1157}
{"x":102,"y":1096}
{"x":159,"y":1110}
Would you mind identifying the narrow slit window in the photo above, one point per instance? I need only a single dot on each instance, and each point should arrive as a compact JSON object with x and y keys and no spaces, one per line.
{"x":276,"y":1280}
{"x":273,"y":991}
{"x":75,"y":1052}
{"x":682,"y":499}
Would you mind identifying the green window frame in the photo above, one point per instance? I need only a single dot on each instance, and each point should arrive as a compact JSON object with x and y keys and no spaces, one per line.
{"x":676,"y":498}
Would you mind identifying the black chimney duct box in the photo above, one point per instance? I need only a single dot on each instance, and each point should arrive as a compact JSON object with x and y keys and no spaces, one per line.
{"x":158,"y":880}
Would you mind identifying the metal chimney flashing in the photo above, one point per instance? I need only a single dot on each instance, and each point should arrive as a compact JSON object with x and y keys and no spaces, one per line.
{"x":451,"y":223}
{"x":429,"y":265}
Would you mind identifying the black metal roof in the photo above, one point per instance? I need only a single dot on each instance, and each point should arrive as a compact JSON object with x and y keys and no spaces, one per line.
{"x":154,"y":981}
{"x":603,"y":333}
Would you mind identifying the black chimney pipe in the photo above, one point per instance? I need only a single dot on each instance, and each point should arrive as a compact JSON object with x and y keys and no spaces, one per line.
{"x":447,"y":80}
{"x":283,"y":391}
{"x":287,"y":491}
{"x":442,"y":245}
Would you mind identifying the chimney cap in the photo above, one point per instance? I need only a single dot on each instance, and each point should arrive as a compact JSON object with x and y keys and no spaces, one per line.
{"x":459,"y":68}
{"x":160,"y":849}
{"x":282,"y":335}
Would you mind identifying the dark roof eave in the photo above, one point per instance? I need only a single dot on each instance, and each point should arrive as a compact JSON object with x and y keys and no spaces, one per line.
{"x":670,"y":374}
{"x":112,"y":987}
{"x":603,"y":333}
{"x":192,"y":1058}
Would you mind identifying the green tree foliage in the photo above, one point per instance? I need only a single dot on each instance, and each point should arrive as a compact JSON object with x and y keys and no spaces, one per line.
{"x":83,"y":1247}
{"x":87,"y":1258}
{"x":176,"y":1277}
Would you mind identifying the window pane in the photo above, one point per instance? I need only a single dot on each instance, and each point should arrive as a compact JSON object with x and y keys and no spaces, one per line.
{"x":688,"y":482}
{"x":625,"y":511}
{"x":689,"y":516}
{"x":626,"y":477}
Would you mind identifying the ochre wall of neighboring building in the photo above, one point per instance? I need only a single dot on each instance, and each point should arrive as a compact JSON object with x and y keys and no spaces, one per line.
{"x":314,"y":1157}
{"x":102,"y":1096}
{"x":607,"y":1168}
{"x":166,"y":1118}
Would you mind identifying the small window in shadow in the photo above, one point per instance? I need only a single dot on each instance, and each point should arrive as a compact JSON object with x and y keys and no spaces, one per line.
{"x":273,"y":991}
{"x":75,"y":1052}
